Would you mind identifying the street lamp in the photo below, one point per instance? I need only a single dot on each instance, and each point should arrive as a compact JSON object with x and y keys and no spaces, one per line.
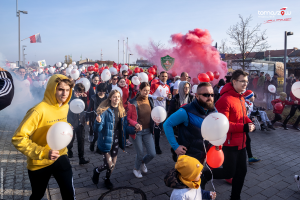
{"x":23,"y":48}
{"x":129,"y":59}
{"x":18,"y":15}
{"x":285,"y":55}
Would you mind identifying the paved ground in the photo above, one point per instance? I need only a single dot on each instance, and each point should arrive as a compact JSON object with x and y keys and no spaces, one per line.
{"x":272,"y":178}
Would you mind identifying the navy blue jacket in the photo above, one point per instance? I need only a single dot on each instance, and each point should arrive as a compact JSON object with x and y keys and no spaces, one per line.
{"x":105,"y":131}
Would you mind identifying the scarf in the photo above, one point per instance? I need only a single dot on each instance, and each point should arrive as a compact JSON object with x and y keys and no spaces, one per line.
{"x":183,"y":98}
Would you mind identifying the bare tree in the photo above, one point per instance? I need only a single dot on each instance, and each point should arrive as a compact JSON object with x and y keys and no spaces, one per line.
{"x":224,"y":48}
{"x":246,"y":40}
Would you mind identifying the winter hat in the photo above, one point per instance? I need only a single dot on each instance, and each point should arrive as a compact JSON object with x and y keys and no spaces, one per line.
{"x":189,"y":169}
{"x":282,"y":96}
{"x":248,"y":94}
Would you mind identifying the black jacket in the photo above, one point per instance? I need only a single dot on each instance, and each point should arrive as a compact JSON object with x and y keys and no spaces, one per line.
{"x":95,"y":101}
{"x":134,"y":102}
{"x":175,"y":103}
{"x":6,"y":89}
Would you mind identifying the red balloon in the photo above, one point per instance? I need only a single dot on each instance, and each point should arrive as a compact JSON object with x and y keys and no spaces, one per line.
{"x":100,"y":70}
{"x":155,"y":67}
{"x":174,"y":74}
{"x":203,"y":77}
{"x":115,"y":64}
{"x":96,"y":65}
{"x":151,"y":70}
{"x":211,"y":75}
{"x":90,"y":68}
{"x":106,"y":67}
{"x":141,"y":70}
{"x":278,"y":106}
{"x":154,"y":81}
{"x":215,"y":158}
{"x":216,"y":75}
{"x":119,"y":65}
{"x":137,"y":70}
{"x":129,"y":72}
{"x":150,"y":77}
{"x":195,"y":81}
{"x":118,"y":68}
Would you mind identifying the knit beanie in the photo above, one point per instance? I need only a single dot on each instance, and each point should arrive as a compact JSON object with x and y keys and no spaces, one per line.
{"x":189,"y":169}
{"x":282,"y":96}
{"x":248,"y":94}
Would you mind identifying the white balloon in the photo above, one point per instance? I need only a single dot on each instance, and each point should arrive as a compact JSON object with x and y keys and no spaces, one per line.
{"x":51,"y":70}
{"x":194,"y":89}
{"x":272,"y":88}
{"x":40,"y":70}
{"x":82,"y":68}
{"x":68,"y":71}
{"x":74,"y":74}
{"x":86,"y":83}
{"x":58,"y":64}
{"x":59,"y":135}
{"x":143,"y":77}
{"x":296,"y":89}
{"x":158,"y":114}
{"x":71,"y":66}
{"x":36,"y":73}
{"x":113,"y":71}
{"x":124,"y":67}
{"x":105,"y":75}
{"x":135,"y":80}
{"x":65,"y":65}
{"x":36,"y":84}
{"x":42,"y":77}
{"x":214,"y":127}
{"x":73,"y":63}
{"x":218,"y":142}
{"x":77,"y":106}
{"x":75,"y":67}
{"x":120,"y":90}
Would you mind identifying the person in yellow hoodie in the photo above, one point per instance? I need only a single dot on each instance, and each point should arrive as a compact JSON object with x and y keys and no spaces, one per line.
{"x":30,"y":139}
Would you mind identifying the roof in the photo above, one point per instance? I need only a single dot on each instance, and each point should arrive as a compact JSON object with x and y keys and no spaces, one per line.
{"x":295,"y":53}
{"x":278,"y":53}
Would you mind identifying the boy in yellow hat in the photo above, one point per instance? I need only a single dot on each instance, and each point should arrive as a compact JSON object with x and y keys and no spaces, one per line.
{"x":185,"y":179}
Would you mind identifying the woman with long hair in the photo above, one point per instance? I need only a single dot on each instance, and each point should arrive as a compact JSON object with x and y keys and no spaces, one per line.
{"x":111,"y":134}
{"x":143,"y":129}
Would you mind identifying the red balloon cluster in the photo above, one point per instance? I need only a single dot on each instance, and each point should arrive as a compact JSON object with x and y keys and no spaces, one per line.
{"x":106,"y":67}
{"x":208,"y":76}
{"x":150,"y":77}
{"x":151,"y":70}
{"x":215,"y":158}
{"x":155,"y":67}
{"x":141,"y":70}
{"x":137,"y":70}
{"x":101,"y":70}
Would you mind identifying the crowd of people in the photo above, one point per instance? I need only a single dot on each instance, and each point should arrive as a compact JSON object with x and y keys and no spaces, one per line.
{"x":120,"y":119}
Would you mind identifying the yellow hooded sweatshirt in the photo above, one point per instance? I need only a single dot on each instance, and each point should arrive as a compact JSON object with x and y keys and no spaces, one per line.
{"x":30,"y":136}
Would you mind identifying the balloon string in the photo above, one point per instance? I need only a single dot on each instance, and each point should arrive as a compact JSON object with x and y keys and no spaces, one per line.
{"x":205,"y":163}
{"x":90,"y":112}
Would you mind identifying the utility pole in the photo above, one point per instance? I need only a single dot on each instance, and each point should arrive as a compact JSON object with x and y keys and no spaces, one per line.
{"x":19,"y":40}
{"x":123,"y":52}
{"x":127,"y":50}
{"x":118,"y":51}
{"x":285,"y":55}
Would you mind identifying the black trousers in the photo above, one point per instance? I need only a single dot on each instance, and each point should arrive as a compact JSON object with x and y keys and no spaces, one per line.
{"x":234,"y":166}
{"x":61,"y":170}
{"x":277,"y":118}
{"x":157,"y":130}
{"x":79,"y":132}
{"x":248,"y":146}
{"x":291,"y":114}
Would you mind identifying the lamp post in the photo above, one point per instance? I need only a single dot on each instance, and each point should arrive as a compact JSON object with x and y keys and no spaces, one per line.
{"x":23,"y":48}
{"x":19,"y":40}
{"x":285,"y":55}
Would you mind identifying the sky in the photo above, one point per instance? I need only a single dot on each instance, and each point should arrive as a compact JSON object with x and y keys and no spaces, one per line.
{"x":72,"y":27}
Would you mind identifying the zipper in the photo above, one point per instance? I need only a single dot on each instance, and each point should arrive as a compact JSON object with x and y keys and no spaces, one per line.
{"x":113,"y":130}
{"x":243,"y":121}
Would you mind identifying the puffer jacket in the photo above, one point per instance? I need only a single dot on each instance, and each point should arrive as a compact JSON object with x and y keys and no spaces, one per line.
{"x":131,"y":119}
{"x":105,"y":131}
{"x":232,"y":105}
{"x":286,"y":102}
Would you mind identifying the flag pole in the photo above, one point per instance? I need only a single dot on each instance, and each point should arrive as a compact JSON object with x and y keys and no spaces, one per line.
{"x":25,"y":38}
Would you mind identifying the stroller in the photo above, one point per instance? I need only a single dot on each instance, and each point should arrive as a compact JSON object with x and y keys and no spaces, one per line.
{"x":256,"y":119}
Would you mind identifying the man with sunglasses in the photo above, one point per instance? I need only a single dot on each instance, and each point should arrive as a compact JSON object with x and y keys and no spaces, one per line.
{"x":125,"y":75}
{"x":114,"y":83}
{"x":232,"y":105}
{"x":189,"y":119}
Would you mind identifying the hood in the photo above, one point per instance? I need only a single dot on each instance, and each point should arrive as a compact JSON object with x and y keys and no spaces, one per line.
{"x":49,"y":96}
{"x":228,"y":88}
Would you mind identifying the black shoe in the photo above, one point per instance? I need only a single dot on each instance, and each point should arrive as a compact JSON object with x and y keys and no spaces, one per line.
{"x":284,"y":126}
{"x":174,"y":155}
{"x":98,"y":151}
{"x":271,"y":127}
{"x":95,"y":177}
{"x":158,"y":151}
{"x":92,"y":146}
{"x":70,"y":154}
{"x":108,"y":184}
{"x":296,"y":127}
{"x":82,"y":161}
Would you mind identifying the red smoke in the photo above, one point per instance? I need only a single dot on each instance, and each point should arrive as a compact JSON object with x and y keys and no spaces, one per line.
{"x":193,"y":53}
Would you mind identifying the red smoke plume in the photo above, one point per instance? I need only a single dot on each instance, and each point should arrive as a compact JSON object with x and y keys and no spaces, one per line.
{"x":193,"y":53}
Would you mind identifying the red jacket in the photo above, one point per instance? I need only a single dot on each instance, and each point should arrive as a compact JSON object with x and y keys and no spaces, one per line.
{"x":232,"y":105}
{"x":286,"y":102}
{"x":294,"y":98}
{"x":131,"y":116}
{"x":254,"y":82}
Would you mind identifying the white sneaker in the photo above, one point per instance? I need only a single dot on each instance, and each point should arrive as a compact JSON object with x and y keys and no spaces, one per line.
{"x":137,"y":173}
{"x":297,"y":179}
{"x":144,"y":168}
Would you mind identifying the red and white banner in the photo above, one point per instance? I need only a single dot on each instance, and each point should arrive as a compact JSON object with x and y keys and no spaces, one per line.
{"x":35,"y":38}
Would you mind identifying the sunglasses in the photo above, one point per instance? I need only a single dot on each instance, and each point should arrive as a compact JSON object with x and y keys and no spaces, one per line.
{"x":207,"y":95}
{"x":115,"y":79}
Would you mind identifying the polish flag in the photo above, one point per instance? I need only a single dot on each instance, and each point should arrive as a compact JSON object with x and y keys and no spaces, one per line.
{"x":35,"y":38}
{"x":284,"y":8}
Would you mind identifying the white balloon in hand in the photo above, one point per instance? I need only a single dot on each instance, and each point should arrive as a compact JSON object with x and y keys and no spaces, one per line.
{"x":59,"y":135}
{"x":214,"y":127}
{"x":158,"y":114}
{"x":77,"y":106}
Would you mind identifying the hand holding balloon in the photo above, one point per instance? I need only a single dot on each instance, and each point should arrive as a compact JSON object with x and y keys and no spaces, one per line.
{"x":251,"y":127}
{"x":98,"y":118}
{"x":53,"y":155}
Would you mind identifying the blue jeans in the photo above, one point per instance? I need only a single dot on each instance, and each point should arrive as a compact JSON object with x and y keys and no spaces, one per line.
{"x":269,"y":99}
{"x":143,"y":136}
